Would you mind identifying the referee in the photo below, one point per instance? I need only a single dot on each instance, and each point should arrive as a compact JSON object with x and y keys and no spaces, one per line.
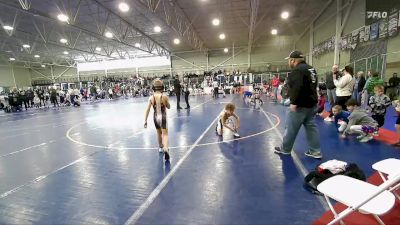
{"x":303,"y":82}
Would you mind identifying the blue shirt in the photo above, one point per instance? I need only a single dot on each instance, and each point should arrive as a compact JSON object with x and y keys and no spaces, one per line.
{"x":343,"y":115}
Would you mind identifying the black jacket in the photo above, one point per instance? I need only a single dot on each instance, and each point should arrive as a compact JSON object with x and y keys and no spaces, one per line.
{"x":303,"y":82}
{"x":329,"y":81}
{"x":361,"y":84}
{"x":177,"y":86}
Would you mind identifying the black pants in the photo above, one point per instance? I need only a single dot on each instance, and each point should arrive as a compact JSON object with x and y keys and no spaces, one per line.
{"x":54,"y":101}
{"x":25,"y":102}
{"x":30,"y":102}
{"x":341,"y":100}
{"x":42,"y":100}
{"x":187,"y":99}
{"x":216,"y":92}
{"x":380,"y":119}
{"x":178,"y":99}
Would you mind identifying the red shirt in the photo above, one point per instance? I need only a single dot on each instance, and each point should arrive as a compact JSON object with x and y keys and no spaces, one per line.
{"x":275,"y":82}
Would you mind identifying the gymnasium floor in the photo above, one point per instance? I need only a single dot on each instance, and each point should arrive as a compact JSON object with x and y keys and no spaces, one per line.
{"x":97,"y":165}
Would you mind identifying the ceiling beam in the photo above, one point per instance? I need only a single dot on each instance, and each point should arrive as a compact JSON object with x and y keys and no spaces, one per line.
{"x":315,"y":18}
{"x":97,"y":34}
{"x":253,"y":23}
{"x":175,"y":18}
{"x":130,"y":25}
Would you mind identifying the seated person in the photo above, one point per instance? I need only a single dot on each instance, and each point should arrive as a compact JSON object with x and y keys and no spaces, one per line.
{"x":341,"y":118}
{"x":321,"y":103}
{"x":359,"y":122}
{"x":224,"y":123}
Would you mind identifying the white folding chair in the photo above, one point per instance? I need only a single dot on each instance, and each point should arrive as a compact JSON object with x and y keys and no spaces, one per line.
{"x":359,"y":196}
{"x":389,"y":167}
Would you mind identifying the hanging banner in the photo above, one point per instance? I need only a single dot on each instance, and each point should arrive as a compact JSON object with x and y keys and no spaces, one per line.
{"x":383,"y":28}
{"x":399,"y":20}
{"x":344,"y":43}
{"x":374,"y":33}
{"x":379,"y":9}
{"x":361,"y":35}
{"x":393,"y":23}
{"x":367,"y":31}
{"x":354,"y":38}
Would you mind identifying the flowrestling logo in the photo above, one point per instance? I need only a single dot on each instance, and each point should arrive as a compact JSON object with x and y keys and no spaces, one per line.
{"x":377,"y":15}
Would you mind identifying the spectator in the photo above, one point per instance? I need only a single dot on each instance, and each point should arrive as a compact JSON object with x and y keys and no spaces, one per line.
{"x":359,"y":123}
{"x":186,"y":92}
{"x":330,"y":86}
{"x":321,"y":103}
{"x":344,"y":86}
{"x":275,"y":86}
{"x":372,"y":82}
{"x":341,"y":118}
{"x":394,"y":81}
{"x":53,"y":97}
{"x":378,"y":104}
{"x":358,"y":87}
{"x":177,"y":90}
{"x":303,"y":82}
{"x":30,"y":96}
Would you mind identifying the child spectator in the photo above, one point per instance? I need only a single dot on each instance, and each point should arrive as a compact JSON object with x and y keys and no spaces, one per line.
{"x":341,"y":118}
{"x":225,"y":122}
{"x":359,"y":122}
{"x":378,"y":104}
{"x":321,"y":103}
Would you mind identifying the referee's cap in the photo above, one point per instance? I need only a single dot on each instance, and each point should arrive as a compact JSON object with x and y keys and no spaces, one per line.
{"x":295,"y":55}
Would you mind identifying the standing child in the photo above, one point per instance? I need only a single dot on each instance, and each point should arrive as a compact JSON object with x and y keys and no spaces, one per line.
{"x":224,"y":123}
{"x":359,"y":122}
{"x":341,"y":118}
{"x":378,"y":104}
{"x":160,"y":104}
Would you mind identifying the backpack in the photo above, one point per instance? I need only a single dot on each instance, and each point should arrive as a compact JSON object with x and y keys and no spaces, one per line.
{"x":314,"y":178}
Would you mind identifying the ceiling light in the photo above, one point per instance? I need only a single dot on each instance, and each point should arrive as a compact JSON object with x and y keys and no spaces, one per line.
{"x":109,"y":34}
{"x":285,"y":15}
{"x":62,"y":17}
{"x":36,"y":56}
{"x":63,"y":40}
{"x":215,"y":22}
{"x":177,"y":41}
{"x":43,"y":66}
{"x":226,"y":50}
{"x":222,"y":36}
{"x":26,"y":46}
{"x":66,"y":53}
{"x":12,"y":59}
{"x":123,"y":7}
{"x":6,"y":27}
{"x":274,"y":31}
{"x":157,"y":29}
{"x":137,"y":45}
{"x":98,"y":49}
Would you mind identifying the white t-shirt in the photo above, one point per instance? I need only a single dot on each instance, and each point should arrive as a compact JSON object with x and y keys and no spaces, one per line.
{"x":215,"y":84}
